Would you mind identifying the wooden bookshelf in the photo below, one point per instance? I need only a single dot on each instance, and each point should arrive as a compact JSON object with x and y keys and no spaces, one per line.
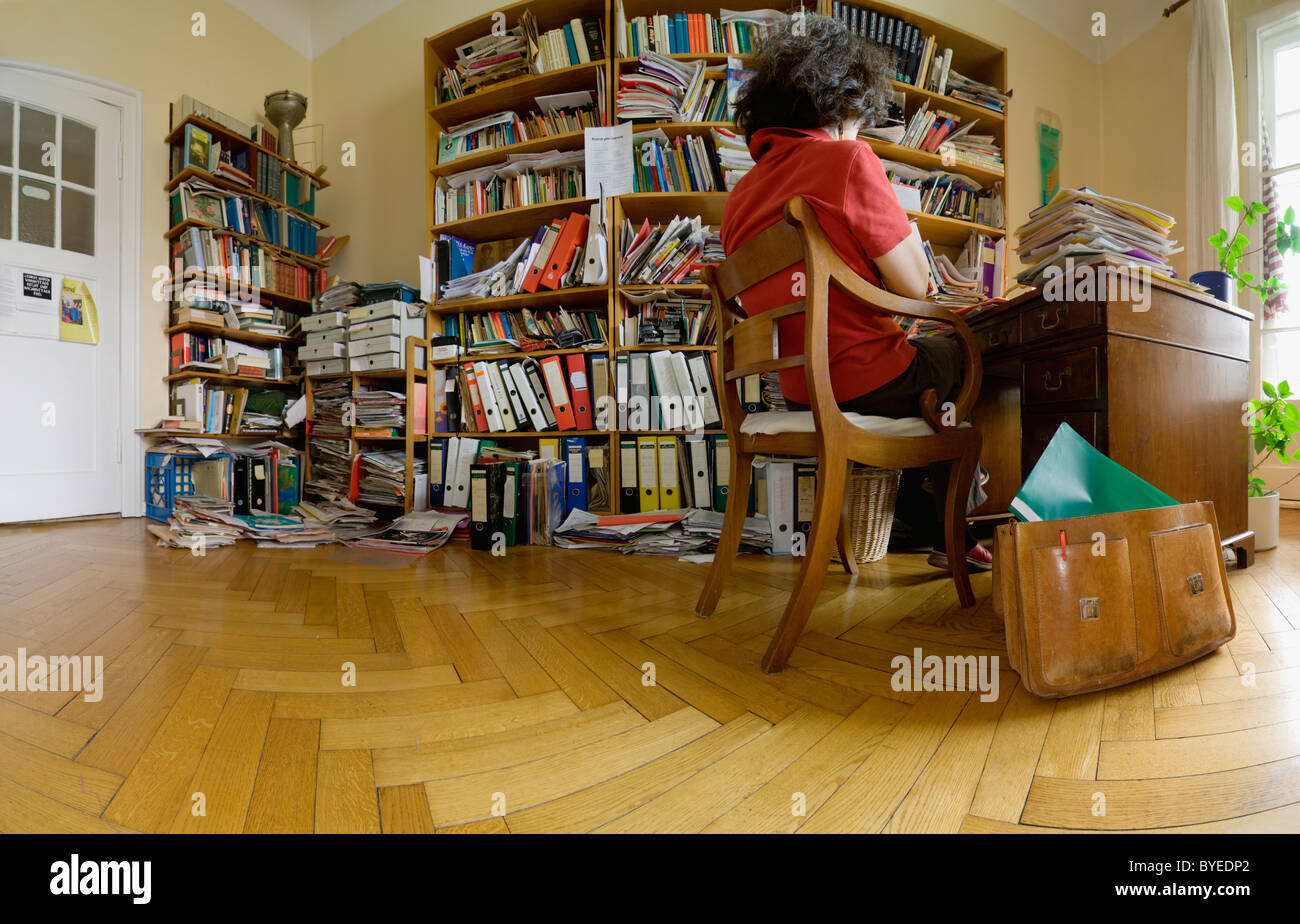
{"x":252,"y":338}
{"x":972,"y":56}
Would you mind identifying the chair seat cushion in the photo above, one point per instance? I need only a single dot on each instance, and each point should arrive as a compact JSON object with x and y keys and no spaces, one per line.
{"x":770,"y":423}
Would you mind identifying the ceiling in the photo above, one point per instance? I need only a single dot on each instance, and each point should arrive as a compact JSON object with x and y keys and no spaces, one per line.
{"x":1072,"y":21}
{"x":314,"y":26}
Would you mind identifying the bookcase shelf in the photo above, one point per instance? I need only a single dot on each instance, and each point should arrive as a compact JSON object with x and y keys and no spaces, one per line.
{"x":220,"y":377}
{"x":534,"y":354}
{"x":289,"y":256}
{"x":972,"y":56}
{"x":229,"y":333}
{"x":294,"y":301}
{"x":221,"y":133}
{"x":194,"y":173}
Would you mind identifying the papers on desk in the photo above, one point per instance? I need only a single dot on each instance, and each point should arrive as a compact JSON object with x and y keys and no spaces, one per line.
{"x":1082,"y":227}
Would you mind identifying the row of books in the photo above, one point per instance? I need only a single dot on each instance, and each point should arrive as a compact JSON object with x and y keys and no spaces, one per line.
{"x":525,"y":179}
{"x":687,"y":163}
{"x":202,"y":303}
{"x":561,"y":254}
{"x":534,"y":328}
{"x":506,"y":128}
{"x":223,"y":254}
{"x":578,"y":41}
{"x":734,"y":33}
{"x":199,"y":407}
{"x":668,"y":253}
{"x":733,"y":156}
{"x":200,"y":201}
{"x":937,"y":131}
{"x":667,"y":320}
{"x":918,"y":59}
{"x":939,"y":192}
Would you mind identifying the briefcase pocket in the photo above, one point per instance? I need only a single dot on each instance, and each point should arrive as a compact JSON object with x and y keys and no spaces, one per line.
{"x":1192,"y":601}
{"x":1087,"y":630}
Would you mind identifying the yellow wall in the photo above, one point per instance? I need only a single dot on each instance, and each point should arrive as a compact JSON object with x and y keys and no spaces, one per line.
{"x":147,"y":45}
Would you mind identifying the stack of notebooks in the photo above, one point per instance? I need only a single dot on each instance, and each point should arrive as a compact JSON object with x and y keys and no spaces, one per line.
{"x":524,"y":179}
{"x":677,"y":91}
{"x":488,"y":60}
{"x":686,"y":163}
{"x":666,"y":254}
{"x":733,"y":156}
{"x":565,"y":253}
{"x":1082,"y":227}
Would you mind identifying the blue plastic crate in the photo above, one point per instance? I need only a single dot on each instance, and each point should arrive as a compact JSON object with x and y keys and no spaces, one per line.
{"x":168,"y":476}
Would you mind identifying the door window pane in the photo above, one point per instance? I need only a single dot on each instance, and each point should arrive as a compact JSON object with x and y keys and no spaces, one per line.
{"x":6,"y":206}
{"x":6,"y":133}
{"x":78,"y":210}
{"x":35,"y":212}
{"x":35,"y":132}
{"x":78,"y":153}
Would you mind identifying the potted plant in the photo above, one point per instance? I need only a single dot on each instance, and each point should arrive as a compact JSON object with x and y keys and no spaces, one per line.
{"x":1274,"y":421}
{"x":1232,"y":252}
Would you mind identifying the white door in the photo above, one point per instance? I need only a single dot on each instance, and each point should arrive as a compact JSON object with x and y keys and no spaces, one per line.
{"x":60,"y":398}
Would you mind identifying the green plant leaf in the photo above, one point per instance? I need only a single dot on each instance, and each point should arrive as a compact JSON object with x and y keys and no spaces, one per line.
{"x":1235,"y":203}
{"x":1218,"y":238}
{"x":1268,"y":389}
{"x":1288,"y":217}
{"x":1284,"y":389}
{"x":1258,"y":208}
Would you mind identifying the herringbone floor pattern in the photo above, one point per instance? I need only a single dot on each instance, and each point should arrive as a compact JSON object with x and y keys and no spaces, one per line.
{"x":509,"y":694}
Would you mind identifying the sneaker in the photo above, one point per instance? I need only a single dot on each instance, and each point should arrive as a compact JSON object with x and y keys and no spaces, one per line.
{"x":978,"y":558}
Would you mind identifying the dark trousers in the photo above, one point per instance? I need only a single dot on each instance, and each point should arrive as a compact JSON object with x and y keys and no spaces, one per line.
{"x":938,"y":364}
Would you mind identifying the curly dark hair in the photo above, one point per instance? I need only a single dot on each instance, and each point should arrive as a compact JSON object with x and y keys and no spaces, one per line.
{"x":811,"y":72}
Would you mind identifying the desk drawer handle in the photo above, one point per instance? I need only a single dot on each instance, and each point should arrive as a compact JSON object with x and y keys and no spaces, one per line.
{"x":1042,"y":318}
{"x":1060,"y":383}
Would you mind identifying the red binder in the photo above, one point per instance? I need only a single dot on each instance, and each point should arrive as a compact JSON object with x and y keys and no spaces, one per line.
{"x":552,"y":236}
{"x":553,"y":376}
{"x":571,"y":238}
{"x":471,"y":382}
{"x":580,"y":390}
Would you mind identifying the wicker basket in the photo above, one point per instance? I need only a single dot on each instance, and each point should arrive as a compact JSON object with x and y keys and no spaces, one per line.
{"x":870,"y":495}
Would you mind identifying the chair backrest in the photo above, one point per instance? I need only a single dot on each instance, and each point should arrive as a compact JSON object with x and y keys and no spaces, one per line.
{"x":749,"y":345}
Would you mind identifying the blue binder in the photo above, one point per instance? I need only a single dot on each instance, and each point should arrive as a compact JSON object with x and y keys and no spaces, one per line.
{"x":573,"y":450}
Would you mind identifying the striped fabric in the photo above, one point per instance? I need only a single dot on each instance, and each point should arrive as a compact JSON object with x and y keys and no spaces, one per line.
{"x":1276,"y":306}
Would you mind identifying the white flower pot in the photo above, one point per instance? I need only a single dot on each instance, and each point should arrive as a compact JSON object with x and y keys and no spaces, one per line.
{"x":1262,"y":517}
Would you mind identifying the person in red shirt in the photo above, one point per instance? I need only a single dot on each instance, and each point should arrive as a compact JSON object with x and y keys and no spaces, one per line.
{"x":814,"y":85}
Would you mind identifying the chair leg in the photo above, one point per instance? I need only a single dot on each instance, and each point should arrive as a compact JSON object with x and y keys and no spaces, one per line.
{"x":733,"y":524}
{"x":830,"y":499}
{"x":842,"y":543}
{"x":954,"y":519}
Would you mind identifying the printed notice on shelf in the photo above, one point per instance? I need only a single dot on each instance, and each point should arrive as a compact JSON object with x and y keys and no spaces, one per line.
{"x":609,"y":160}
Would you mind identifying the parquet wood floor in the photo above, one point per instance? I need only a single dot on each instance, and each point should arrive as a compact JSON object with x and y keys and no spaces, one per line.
{"x":514,"y":694}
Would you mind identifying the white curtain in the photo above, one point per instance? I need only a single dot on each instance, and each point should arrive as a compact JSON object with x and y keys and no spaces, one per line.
{"x":1211,"y":133}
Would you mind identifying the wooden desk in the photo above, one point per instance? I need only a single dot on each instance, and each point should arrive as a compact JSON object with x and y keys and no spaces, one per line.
{"x":1159,"y":391}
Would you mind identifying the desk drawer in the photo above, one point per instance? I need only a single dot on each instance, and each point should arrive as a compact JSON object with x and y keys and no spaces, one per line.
{"x":1068,"y":376}
{"x":999,"y":336}
{"x":1037,"y":430}
{"x":1051,"y":318}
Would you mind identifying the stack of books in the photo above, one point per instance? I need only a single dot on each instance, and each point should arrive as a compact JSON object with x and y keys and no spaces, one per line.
{"x":487,"y":60}
{"x":679,"y":91}
{"x":940,"y":192}
{"x":671,"y":320}
{"x":1082,"y":227}
{"x":666,"y":254}
{"x":555,"y":117}
{"x":534,"y":329}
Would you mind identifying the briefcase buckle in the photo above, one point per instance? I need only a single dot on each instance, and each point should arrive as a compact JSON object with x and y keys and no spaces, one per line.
{"x":1196,"y":584}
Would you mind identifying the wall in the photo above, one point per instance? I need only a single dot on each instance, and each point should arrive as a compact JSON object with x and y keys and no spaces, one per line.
{"x":147,"y":45}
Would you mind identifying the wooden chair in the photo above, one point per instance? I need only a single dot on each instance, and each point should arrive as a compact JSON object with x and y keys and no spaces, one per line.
{"x":749,"y":345}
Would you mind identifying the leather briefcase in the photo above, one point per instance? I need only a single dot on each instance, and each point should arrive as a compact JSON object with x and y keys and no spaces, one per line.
{"x":1121,"y":597}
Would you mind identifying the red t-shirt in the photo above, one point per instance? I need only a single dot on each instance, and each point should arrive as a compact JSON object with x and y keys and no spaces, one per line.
{"x":846,"y":186}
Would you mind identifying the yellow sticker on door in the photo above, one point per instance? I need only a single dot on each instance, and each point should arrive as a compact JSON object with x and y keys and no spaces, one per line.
{"x":78,"y":320}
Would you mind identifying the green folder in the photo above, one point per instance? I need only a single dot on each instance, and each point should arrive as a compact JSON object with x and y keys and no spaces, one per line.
{"x":1072,"y":479}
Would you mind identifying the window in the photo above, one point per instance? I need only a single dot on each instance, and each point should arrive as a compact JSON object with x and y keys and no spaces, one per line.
{"x":47,"y":179}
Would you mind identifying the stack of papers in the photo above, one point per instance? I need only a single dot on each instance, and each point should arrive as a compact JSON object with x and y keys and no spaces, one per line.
{"x":733,"y":156}
{"x":679,"y":91}
{"x":199,"y":522}
{"x":380,"y":408}
{"x":755,"y":536}
{"x":415,"y":533}
{"x":972,"y":91}
{"x":383,"y":477}
{"x":340,"y":295}
{"x":1081,"y":227}
{"x":667,"y":254}
{"x":335,"y":512}
{"x":657,"y":533}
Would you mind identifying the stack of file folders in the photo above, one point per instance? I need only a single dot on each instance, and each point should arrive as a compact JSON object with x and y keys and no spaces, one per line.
{"x":1082,"y":227}
{"x":383,"y":477}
